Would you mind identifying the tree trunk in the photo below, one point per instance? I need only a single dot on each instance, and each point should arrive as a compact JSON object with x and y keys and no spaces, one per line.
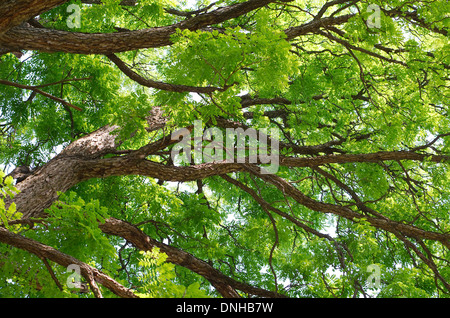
{"x":40,"y":189}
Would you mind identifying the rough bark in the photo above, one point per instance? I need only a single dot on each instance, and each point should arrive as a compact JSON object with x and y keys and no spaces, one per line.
{"x":40,"y":190}
{"x":43,"y":251}
{"x":225,"y":285}
{"x":15,"y":12}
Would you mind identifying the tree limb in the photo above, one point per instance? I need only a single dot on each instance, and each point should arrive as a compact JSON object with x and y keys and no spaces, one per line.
{"x":161,"y":85}
{"x":47,"y":252}
{"x":41,"y":92}
{"x":225,"y":285}
{"x":45,"y":40}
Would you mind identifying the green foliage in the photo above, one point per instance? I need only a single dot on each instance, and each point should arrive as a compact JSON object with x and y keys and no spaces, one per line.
{"x":78,"y":231}
{"x":72,"y":228}
{"x":194,"y":60}
{"x":158,"y":276}
{"x":338,"y":93}
{"x":7,"y":190}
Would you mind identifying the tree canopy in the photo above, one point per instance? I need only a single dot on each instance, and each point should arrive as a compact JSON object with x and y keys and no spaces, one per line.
{"x":95,"y":96}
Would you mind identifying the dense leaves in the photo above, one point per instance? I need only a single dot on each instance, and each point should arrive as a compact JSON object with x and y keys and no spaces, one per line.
{"x":333,"y":85}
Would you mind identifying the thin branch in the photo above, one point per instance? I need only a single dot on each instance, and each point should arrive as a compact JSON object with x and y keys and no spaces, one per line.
{"x":161,"y":85}
{"x":66,"y":80}
{"x":52,"y":274}
{"x":36,"y":90}
{"x":348,"y":45}
{"x":414,"y":17}
{"x":189,"y":14}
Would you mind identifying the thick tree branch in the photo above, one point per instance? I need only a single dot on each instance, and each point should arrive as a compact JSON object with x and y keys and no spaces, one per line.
{"x":160,"y":85}
{"x":225,"y":285}
{"x":47,"y":252}
{"x":15,"y":12}
{"x":369,"y":157}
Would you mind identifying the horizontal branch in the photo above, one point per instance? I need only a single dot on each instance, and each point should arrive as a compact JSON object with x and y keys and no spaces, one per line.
{"x":121,"y":166}
{"x":247,"y":101}
{"x":14,"y":13}
{"x":369,"y":157}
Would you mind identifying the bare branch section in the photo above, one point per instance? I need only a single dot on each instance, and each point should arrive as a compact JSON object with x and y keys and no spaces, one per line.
{"x":128,"y":3}
{"x":45,"y":40}
{"x":43,"y":251}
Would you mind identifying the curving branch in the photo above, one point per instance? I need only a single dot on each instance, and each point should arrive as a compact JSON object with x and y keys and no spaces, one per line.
{"x":16,"y":12}
{"x":46,"y":40}
{"x":91,"y":274}
{"x":36,"y":89}
{"x":161,"y":85}
{"x":343,"y":211}
{"x":225,"y":285}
